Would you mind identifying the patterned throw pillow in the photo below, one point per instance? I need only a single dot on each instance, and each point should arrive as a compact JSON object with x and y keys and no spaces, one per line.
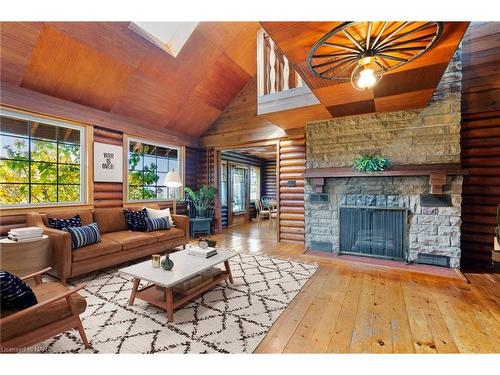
{"x":136,"y":220}
{"x":55,"y":223}
{"x":161,"y":223}
{"x":83,"y":236}
{"x":15,"y":294}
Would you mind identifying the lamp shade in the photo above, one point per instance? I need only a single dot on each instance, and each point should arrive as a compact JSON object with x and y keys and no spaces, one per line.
{"x":173,"y":179}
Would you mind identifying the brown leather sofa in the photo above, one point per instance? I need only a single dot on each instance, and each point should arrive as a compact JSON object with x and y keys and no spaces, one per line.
{"x":117,"y":245}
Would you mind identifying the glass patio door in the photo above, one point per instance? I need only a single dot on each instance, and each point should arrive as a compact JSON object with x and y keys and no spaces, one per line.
{"x":239,"y":189}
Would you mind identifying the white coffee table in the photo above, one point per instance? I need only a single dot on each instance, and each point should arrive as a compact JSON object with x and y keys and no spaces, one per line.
{"x":161,"y":293}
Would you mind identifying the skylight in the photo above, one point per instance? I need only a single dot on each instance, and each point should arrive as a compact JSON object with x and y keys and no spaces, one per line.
{"x":170,"y":36}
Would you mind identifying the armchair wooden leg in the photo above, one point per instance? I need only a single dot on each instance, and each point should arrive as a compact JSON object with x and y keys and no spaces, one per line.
{"x":81,"y":331}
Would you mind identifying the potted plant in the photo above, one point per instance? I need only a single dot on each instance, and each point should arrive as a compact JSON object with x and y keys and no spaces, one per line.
{"x":371,"y":163}
{"x":496,"y":243}
{"x":201,"y":199}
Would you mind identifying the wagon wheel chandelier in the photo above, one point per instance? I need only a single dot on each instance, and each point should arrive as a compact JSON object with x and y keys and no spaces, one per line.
{"x":363,"y":52}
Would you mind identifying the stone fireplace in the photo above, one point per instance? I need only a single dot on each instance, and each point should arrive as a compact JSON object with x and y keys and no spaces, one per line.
{"x":425,"y":137}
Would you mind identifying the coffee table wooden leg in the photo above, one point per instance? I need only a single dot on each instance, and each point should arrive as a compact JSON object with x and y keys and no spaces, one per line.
{"x":169,"y":294}
{"x":135,"y":287}
{"x":228,"y":270}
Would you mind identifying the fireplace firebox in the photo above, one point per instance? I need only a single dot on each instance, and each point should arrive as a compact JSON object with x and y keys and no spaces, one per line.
{"x":374,"y":231}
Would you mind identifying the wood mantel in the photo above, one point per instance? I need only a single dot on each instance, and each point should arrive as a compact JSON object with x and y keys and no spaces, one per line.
{"x":437,"y":174}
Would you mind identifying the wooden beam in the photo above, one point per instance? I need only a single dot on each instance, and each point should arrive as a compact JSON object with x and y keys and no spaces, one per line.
{"x":31,"y":101}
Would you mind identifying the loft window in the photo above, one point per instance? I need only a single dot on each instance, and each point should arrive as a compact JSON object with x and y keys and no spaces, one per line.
{"x":148,"y":165}
{"x":170,"y":36}
{"x":41,"y":161}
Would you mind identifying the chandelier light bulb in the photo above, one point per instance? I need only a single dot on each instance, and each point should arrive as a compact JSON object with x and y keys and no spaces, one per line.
{"x":366,"y":78}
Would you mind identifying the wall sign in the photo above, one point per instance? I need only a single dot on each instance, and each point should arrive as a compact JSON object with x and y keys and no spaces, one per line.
{"x":108,"y":163}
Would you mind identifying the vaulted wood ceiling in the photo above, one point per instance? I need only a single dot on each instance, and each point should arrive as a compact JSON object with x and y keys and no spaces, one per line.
{"x":107,"y":66}
{"x":410,"y":86}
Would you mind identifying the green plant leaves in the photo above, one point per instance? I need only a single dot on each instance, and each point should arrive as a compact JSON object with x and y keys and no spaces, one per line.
{"x":371,"y":163}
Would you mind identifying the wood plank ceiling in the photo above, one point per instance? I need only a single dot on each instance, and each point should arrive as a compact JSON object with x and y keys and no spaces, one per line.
{"x":107,"y":66}
{"x":410,"y":86}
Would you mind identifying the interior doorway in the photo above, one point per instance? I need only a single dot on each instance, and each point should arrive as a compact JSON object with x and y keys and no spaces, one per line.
{"x":248,"y":191}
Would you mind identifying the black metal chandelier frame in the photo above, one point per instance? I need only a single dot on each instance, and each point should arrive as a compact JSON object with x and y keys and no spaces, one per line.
{"x":345,"y":60}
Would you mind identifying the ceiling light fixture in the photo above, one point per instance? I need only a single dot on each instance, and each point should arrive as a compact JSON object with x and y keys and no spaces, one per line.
{"x":363,"y":52}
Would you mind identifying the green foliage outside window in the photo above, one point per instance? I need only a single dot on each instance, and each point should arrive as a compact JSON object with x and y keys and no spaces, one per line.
{"x":147,"y":167}
{"x":40,"y":172}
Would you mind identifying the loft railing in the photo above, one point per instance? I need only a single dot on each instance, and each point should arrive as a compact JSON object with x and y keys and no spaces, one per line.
{"x":274,"y":73}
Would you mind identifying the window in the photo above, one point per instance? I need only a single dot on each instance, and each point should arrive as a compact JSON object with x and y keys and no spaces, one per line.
{"x":239,"y":189}
{"x":148,"y":165}
{"x":170,"y":36}
{"x":41,"y":161}
{"x":223,"y":184}
{"x":254,"y":183}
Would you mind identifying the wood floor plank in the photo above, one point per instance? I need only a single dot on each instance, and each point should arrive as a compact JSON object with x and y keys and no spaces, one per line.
{"x":381,"y":341}
{"x":363,"y":325}
{"x":440,"y":332}
{"x":299,"y":340}
{"x":320,"y":338}
{"x":419,"y":324}
{"x":402,"y":341}
{"x":340,"y":340}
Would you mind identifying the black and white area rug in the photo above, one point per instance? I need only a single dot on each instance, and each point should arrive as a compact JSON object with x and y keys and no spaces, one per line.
{"x":232,"y":318}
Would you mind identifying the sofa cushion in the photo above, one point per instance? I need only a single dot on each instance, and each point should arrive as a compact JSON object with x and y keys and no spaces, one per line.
{"x":136,"y":220}
{"x":110,"y":219}
{"x":85,"y":215}
{"x":129,"y":239}
{"x":84,"y":236}
{"x":57,"y":223}
{"x":166,"y":235}
{"x":15,"y":294}
{"x":156,"y":214}
{"x":51,"y":313}
{"x":162,"y":223}
{"x":106,"y":246}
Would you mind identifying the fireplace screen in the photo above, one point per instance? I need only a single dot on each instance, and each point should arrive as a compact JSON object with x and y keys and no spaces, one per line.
{"x":379,"y":232}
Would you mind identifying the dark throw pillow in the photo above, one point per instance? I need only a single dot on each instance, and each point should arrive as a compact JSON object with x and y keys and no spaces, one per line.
{"x":15,"y":294}
{"x":136,"y":220}
{"x":83,"y":236}
{"x":161,"y":223}
{"x":60,"y":224}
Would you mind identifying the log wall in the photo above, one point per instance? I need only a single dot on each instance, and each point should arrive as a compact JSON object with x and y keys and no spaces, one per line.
{"x":480,"y":141}
{"x":292,"y":160}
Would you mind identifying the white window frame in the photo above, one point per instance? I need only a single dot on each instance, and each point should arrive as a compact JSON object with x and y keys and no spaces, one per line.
{"x":180,"y":153}
{"x":83,"y":156}
{"x":259,"y":176}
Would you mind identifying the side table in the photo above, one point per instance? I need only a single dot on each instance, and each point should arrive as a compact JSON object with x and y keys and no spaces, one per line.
{"x":200,"y":225}
{"x":26,"y":257}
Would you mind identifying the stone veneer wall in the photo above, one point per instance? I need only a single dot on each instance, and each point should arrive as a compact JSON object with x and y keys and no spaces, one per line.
{"x":421,"y":136}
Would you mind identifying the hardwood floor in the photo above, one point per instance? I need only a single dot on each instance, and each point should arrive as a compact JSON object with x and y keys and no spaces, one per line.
{"x":350,"y":308}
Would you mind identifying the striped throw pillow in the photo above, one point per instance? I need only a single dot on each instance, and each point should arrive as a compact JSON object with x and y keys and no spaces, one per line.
{"x":15,"y":294}
{"x":161,"y":223}
{"x":83,"y":236}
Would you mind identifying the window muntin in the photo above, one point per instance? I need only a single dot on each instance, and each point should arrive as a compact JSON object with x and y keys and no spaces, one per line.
{"x":254,"y":183}
{"x":41,"y":161}
{"x":148,"y":165}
